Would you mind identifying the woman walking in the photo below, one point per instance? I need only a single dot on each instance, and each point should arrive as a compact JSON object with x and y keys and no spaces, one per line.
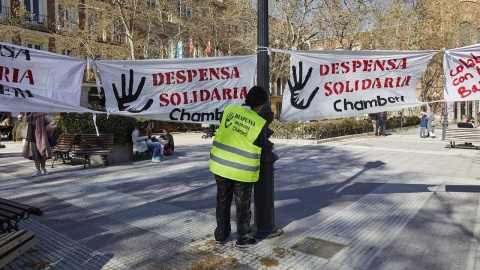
{"x":37,"y":147}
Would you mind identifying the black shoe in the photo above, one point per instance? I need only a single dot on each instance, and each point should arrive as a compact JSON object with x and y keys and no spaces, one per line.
{"x":220,"y":242}
{"x":246,"y":243}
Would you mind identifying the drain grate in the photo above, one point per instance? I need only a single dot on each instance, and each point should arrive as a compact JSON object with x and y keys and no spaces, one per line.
{"x":318,"y":247}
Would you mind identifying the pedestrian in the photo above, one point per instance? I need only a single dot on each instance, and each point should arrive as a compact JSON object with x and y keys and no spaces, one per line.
{"x":14,"y":130}
{"x":37,"y":147}
{"x":373,"y":117}
{"x":381,"y":123}
{"x":235,"y":161}
{"x":431,"y":125}
{"x":423,"y":125}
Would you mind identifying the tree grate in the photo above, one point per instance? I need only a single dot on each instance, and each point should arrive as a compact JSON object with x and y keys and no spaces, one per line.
{"x":318,"y":247}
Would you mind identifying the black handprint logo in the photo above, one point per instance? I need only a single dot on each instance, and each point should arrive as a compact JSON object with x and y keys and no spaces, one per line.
{"x":130,"y":97}
{"x":296,"y":89}
{"x":227,"y":121}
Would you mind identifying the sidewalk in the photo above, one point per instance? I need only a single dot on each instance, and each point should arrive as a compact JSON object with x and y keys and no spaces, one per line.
{"x":394,"y":202}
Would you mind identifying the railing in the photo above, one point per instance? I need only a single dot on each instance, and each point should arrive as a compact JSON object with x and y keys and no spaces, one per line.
{"x":36,"y":20}
{"x":33,"y":20}
{"x":5,"y":13}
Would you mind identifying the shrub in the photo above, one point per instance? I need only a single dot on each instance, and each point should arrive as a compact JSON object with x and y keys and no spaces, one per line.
{"x":332,"y":128}
{"x":120,"y":126}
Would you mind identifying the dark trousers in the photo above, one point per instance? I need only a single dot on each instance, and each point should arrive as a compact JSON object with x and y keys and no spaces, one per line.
{"x":381,"y":124}
{"x":225,"y":190}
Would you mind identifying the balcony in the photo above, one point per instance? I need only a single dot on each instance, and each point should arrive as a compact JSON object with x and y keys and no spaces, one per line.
{"x":5,"y":13}
{"x":36,"y":21}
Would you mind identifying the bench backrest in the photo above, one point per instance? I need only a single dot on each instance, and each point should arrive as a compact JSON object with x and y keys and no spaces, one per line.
{"x":464,"y":125}
{"x":64,"y":142}
{"x":92,"y":142}
{"x":463,"y":134}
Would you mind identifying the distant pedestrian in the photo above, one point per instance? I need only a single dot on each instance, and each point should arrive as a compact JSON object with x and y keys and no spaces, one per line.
{"x":381,"y":123}
{"x":235,"y":161}
{"x":431,"y":125}
{"x":373,"y":117}
{"x":423,"y":125}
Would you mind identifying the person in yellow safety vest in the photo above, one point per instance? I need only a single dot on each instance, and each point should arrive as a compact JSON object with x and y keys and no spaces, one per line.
{"x":235,"y":161}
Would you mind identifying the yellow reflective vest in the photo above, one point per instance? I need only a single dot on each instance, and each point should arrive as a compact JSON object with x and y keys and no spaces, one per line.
{"x":233,"y":155}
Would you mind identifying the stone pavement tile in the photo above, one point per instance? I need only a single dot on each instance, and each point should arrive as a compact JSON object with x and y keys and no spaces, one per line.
{"x":438,"y":237}
{"x":57,"y":251}
{"x":199,"y":186}
{"x":311,"y":197}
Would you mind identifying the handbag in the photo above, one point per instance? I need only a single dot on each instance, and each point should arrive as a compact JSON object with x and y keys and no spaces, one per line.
{"x":22,"y":130}
{"x":52,"y":140}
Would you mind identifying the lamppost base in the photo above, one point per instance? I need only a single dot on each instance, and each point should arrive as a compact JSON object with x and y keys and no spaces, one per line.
{"x":267,"y":234}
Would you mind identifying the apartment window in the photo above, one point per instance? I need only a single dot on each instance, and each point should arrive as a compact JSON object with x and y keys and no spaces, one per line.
{"x":66,"y":15}
{"x":151,"y":3}
{"x":154,"y":49}
{"x":186,"y":11}
{"x":464,"y":33}
{"x":34,"y":46}
{"x":119,"y":31}
{"x":69,"y":52}
{"x":34,"y":7}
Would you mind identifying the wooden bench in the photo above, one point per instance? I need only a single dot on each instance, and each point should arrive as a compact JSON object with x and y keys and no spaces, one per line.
{"x":91,"y":144}
{"x":159,"y":128}
{"x":193,"y":127}
{"x":15,"y":244}
{"x":8,"y":131}
{"x":465,"y":135}
{"x":12,"y":212}
{"x":63,"y":147}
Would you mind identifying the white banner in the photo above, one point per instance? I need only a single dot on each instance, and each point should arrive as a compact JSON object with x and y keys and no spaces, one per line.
{"x":38,"y":81}
{"x":462,"y":74}
{"x":192,"y":90}
{"x":336,"y":84}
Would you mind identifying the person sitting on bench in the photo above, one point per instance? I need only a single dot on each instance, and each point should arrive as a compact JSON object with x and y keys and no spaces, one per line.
{"x":142,"y":143}
{"x":168,"y":142}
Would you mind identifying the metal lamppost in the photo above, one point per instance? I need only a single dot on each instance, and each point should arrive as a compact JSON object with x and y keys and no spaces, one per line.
{"x":264,"y":218}
{"x":445,"y":121}
{"x":445,"y":112}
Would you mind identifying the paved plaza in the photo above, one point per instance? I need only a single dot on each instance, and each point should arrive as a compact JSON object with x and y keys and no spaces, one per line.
{"x":394,"y":202}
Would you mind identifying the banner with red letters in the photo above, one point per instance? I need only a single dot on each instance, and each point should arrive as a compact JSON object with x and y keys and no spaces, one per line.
{"x":462,"y":74}
{"x":38,"y":81}
{"x":336,"y":84}
{"x":194,"y":90}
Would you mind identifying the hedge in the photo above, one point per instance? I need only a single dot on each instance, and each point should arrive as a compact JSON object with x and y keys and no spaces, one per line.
{"x":332,"y":128}
{"x":120,"y":126}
